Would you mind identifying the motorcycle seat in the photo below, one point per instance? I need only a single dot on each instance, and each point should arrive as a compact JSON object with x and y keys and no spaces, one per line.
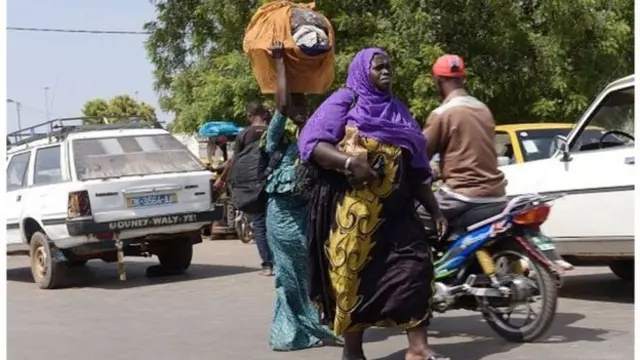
{"x":477,"y":214}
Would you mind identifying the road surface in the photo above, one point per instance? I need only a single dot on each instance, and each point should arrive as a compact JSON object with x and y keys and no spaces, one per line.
{"x":222,"y":309}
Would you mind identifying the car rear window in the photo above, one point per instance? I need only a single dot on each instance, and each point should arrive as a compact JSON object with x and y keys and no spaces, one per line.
{"x":113,"y":157}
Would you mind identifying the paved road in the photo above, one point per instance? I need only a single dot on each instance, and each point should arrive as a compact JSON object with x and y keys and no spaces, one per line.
{"x":222,"y":311}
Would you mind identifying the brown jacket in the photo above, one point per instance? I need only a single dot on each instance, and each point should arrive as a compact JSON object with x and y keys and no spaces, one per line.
{"x":462,"y":131}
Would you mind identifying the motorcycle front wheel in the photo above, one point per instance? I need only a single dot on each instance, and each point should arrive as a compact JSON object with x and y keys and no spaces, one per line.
{"x":515,"y":263}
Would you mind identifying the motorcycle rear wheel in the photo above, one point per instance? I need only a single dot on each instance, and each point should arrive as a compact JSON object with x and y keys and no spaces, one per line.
{"x":548,"y":292}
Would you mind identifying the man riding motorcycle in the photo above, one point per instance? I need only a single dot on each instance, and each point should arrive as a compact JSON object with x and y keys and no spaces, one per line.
{"x":462,"y":132}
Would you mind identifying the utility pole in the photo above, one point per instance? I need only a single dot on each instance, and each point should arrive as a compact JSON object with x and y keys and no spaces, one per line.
{"x":46,"y":101}
{"x":18,"y":106}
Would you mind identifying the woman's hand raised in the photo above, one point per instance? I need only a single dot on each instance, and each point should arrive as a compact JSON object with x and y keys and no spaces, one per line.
{"x":277,"y":50}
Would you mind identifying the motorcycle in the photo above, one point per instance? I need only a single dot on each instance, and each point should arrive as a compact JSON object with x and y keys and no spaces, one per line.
{"x":496,"y":260}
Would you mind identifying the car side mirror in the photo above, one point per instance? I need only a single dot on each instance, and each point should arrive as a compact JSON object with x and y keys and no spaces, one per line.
{"x":561,"y":144}
{"x":503,"y":160}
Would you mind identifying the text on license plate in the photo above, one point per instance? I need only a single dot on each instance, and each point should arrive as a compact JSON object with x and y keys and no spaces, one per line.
{"x":151,"y":200}
{"x":542,"y":242}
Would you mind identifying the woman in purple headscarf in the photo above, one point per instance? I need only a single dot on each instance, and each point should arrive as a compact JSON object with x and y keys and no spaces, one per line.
{"x":370,"y":261}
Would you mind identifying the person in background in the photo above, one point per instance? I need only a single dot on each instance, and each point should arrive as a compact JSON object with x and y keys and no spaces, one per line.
{"x":259,"y":118}
{"x":462,"y":132}
{"x":213,"y":144}
{"x":296,"y":322}
{"x":217,"y":164}
{"x":369,"y":255}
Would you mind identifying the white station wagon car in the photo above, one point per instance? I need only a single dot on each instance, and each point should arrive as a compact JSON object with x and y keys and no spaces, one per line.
{"x":81,"y":192}
{"x":594,"y":221}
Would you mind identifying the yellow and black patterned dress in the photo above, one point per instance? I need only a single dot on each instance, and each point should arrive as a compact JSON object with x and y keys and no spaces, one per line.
{"x":370,"y":263}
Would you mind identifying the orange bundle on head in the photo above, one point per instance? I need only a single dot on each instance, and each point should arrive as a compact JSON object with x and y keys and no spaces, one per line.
{"x":310,"y":66}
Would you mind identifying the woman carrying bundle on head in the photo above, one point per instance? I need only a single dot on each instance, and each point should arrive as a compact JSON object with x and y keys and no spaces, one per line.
{"x":296,"y":322}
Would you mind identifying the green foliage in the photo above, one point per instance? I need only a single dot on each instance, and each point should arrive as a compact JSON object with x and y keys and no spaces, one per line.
{"x":118,"y":107}
{"x":530,"y":60}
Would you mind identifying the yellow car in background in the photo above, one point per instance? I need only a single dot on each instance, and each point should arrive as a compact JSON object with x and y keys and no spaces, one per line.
{"x":534,"y":141}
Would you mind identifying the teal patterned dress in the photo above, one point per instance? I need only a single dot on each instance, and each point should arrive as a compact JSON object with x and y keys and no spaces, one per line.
{"x":296,"y":321}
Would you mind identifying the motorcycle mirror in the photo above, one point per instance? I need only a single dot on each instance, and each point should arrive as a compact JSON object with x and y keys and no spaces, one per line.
{"x":560,"y":144}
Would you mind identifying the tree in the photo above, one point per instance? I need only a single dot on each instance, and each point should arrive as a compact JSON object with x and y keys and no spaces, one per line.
{"x":530,"y":60}
{"x":118,"y":108}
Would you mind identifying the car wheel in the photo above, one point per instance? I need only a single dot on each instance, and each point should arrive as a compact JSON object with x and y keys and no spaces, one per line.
{"x":176,"y":255}
{"x":77,"y":263}
{"x":623,"y":269}
{"x":47,"y":273}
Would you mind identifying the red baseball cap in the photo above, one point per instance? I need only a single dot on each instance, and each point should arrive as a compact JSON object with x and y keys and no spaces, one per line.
{"x":451,"y":66}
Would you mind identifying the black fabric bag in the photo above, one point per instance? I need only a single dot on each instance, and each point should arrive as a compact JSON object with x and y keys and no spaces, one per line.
{"x":305,"y":181}
{"x":249,"y":173}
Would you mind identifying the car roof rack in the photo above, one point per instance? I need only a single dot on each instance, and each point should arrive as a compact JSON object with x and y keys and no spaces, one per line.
{"x":60,"y":128}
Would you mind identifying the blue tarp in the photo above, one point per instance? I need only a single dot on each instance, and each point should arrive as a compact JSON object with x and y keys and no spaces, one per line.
{"x":219,"y":128}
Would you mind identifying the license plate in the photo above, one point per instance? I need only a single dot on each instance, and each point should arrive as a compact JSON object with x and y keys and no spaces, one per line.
{"x":151,"y":200}
{"x":544,"y":243}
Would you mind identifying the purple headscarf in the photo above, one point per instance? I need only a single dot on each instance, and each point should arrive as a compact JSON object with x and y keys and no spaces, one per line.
{"x":376,"y":114}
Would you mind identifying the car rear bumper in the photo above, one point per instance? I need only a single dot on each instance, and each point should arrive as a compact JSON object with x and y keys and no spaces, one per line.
{"x":618,"y":247}
{"x":87,"y":227}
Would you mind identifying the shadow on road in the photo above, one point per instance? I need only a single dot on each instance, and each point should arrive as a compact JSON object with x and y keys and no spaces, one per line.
{"x":485,"y":342}
{"x":598,"y":287}
{"x":97,"y":274}
{"x":592,"y":287}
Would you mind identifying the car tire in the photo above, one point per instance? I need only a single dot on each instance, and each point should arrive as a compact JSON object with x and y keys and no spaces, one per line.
{"x":623,"y":269}
{"x":176,"y":255}
{"x":77,"y":263}
{"x":47,"y":273}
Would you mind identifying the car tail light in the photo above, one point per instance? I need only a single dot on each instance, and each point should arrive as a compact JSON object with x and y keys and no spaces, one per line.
{"x":104,"y":236}
{"x":533,"y":216}
{"x":78,"y":204}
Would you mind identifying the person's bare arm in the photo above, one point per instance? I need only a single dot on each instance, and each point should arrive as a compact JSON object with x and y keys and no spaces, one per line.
{"x":330,"y":158}
{"x":282,"y":91}
{"x":238,"y":146}
{"x":425,"y":197}
{"x":327,"y":156}
{"x":227,"y":170}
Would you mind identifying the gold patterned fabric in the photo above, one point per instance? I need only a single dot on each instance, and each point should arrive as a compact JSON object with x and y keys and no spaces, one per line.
{"x":370,"y":264}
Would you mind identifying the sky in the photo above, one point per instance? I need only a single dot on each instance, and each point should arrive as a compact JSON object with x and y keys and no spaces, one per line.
{"x":75,"y":67}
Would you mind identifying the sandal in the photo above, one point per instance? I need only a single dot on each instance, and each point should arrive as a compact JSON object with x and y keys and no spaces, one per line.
{"x":329,"y":342}
{"x":436,"y":356}
{"x":267,"y":272}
